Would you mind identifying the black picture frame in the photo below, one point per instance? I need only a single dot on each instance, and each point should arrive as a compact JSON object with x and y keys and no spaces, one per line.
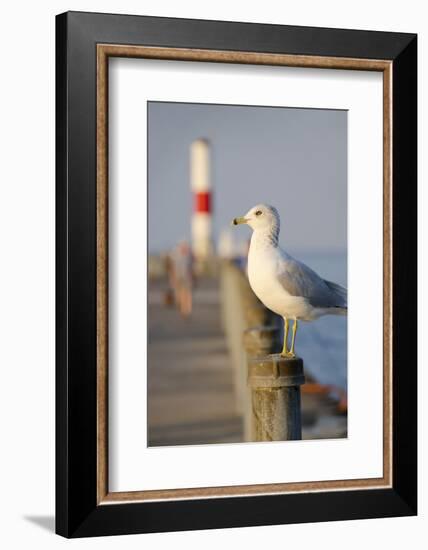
{"x":77,"y":511}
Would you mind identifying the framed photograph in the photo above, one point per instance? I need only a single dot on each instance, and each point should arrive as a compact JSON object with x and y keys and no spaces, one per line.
{"x":236,"y":274}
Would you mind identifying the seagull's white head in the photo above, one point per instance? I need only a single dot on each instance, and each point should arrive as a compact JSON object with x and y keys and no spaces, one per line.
{"x":261,"y":216}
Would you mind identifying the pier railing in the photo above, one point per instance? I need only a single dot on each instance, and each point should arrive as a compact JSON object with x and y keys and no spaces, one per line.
{"x":267,"y":386}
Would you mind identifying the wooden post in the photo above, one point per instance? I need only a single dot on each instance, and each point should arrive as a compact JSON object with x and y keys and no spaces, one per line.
{"x":259,"y":341}
{"x":240,"y":309}
{"x":275,"y":395}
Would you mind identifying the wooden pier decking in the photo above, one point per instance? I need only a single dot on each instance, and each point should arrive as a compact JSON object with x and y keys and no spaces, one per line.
{"x":190,"y":382}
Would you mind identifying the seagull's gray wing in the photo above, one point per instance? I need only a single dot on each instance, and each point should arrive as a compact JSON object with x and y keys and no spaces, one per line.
{"x":300,"y":280}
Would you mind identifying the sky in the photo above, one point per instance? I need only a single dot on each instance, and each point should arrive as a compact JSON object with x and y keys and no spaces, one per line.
{"x":293,"y":159}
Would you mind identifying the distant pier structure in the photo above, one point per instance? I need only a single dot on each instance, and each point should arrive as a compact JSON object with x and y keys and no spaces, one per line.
{"x":200,"y":182}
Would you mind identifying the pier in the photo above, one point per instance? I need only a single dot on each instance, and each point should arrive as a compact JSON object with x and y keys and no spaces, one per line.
{"x":195,"y":394}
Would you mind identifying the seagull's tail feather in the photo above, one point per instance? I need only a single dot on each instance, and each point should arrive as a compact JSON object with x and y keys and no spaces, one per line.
{"x":341,"y":293}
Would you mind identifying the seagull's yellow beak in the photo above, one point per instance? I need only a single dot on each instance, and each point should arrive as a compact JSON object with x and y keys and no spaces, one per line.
{"x":237,"y":221}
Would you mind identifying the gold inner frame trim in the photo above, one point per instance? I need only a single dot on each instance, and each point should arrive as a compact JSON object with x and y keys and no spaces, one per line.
{"x":104,"y":51}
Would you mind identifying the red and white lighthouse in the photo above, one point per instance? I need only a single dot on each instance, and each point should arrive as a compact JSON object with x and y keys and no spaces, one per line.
{"x":200,"y":181}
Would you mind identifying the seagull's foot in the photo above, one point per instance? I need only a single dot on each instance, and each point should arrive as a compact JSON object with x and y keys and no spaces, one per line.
{"x":288,"y":355}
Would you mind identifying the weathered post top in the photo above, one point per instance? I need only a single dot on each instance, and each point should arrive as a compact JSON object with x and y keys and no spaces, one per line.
{"x":275,"y":371}
{"x":275,"y":383}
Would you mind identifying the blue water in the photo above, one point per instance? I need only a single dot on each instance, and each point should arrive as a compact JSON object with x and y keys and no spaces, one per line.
{"x":323,"y":343}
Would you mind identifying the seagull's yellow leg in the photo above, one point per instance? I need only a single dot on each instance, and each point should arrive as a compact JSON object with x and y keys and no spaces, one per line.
{"x":293,"y":339}
{"x":284,"y":351}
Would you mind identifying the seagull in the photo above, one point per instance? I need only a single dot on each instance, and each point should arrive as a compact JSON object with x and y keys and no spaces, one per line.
{"x":284,"y":285}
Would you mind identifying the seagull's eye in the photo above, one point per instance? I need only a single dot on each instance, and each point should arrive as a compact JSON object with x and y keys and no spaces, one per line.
{"x":258,"y":213}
